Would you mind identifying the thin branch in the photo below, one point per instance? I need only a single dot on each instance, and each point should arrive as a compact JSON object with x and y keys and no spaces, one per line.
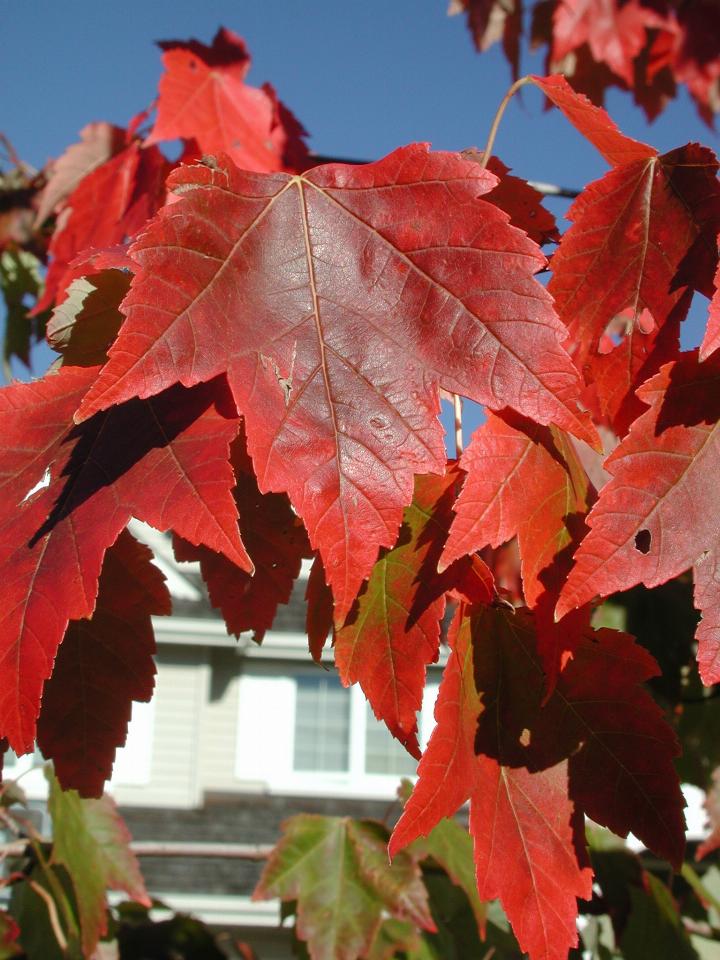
{"x":229,"y":851}
{"x":457,"y":408}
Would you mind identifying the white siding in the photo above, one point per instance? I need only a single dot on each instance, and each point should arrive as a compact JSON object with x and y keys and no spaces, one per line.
{"x":219,"y":728}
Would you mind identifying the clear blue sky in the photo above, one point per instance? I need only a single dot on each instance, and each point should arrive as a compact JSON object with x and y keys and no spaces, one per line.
{"x":363,"y":77}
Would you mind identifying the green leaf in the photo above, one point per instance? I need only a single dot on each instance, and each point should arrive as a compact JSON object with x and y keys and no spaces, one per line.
{"x":457,"y":936}
{"x":337,"y":869}
{"x":84,"y":325}
{"x":392,"y":937}
{"x":654,"y":927}
{"x":19,"y":280}
{"x":91,"y":841}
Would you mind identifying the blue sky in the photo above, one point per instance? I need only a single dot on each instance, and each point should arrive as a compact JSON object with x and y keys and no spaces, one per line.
{"x":363,"y":78}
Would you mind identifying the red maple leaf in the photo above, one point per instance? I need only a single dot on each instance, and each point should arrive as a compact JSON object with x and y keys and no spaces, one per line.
{"x":204,"y":97}
{"x":652,"y":521}
{"x":103,"y":665}
{"x":522,"y":203}
{"x":67,"y":492}
{"x":645,"y":208}
{"x":593,"y":123}
{"x":322,"y":299}
{"x":526,"y":850}
{"x":319,"y":614}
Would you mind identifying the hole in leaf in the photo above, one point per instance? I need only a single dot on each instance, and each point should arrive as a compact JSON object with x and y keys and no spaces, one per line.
{"x":643,"y":539}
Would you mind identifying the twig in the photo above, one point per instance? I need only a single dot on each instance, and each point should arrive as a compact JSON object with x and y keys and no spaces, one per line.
{"x":228,"y":851}
{"x":487,"y":152}
{"x":457,"y":408}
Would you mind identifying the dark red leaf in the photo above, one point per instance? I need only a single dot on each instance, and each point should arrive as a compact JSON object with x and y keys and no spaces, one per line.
{"x":319,"y":618}
{"x":275,"y":542}
{"x":619,"y":747}
{"x":103,"y":665}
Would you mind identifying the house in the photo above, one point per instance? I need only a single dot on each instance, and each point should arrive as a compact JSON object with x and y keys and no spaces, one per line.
{"x":237,"y":738}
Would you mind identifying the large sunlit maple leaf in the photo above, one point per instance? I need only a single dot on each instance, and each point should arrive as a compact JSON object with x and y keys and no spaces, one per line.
{"x":620,"y":748}
{"x":657,"y":516}
{"x":338,"y":302}
{"x":525,"y":847}
{"x":103,"y":665}
{"x":338,"y":872}
{"x":67,"y":492}
{"x":393,"y":630}
{"x":204,"y":97}
{"x":275,"y":542}
{"x":91,"y":841}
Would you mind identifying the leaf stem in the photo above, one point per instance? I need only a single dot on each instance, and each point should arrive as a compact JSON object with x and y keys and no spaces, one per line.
{"x":457,"y":408}
{"x":52,"y":914}
{"x":523,"y":81}
{"x":56,"y":887}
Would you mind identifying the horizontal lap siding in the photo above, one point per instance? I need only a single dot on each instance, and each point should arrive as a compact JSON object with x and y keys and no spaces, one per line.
{"x":219,"y":723}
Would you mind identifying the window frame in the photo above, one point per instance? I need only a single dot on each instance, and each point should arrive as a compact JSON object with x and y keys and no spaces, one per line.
{"x":274,"y":770}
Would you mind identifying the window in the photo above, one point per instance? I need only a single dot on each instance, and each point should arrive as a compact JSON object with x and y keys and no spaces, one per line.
{"x":304,"y":733}
{"x":322,"y":724}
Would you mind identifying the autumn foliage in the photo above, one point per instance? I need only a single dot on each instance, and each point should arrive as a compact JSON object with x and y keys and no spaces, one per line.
{"x":252,"y":351}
